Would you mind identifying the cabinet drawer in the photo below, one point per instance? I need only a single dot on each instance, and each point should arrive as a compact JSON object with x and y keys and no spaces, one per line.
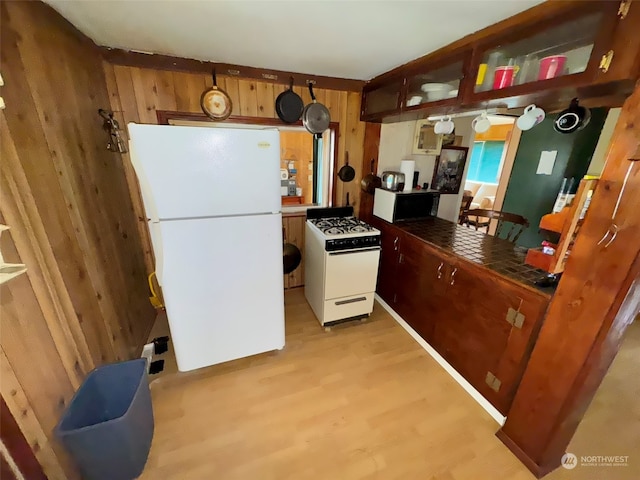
{"x":345,"y":307}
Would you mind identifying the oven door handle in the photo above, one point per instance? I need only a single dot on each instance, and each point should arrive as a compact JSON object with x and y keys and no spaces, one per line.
{"x":360,"y":250}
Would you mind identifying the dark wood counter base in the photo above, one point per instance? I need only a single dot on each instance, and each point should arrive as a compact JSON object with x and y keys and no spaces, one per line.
{"x":457,"y":289}
{"x":528,"y":462}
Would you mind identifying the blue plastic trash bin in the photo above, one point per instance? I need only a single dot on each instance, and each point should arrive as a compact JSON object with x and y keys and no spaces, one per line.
{"x":108,"y":426}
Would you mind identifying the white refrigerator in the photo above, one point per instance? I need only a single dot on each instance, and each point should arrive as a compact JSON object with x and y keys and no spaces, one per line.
{"x":212,"y":198}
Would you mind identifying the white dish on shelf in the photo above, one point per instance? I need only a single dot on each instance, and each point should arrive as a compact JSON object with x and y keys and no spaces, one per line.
{"x":414,"y":100}
{"x":453,"y":93}
{"x":436,"y":91}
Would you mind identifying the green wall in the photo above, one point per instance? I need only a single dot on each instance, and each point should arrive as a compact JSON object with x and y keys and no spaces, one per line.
{"x":533,"y":196}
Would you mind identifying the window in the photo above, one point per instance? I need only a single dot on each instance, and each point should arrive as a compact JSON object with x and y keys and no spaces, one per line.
{"x":484,"y":165}
{"x":304,"y":159}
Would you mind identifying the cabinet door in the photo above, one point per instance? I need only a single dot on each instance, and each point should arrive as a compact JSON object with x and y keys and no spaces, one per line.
{"x":475,"y":336}
{"x":554,"y":52}
{"x":387,"y":271}
{"x":420,"y":286}
{"x":438,"y":85}
{"x":382,"y":99}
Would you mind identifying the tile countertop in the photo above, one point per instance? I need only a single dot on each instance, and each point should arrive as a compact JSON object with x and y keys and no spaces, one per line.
{"x":477,"y":247}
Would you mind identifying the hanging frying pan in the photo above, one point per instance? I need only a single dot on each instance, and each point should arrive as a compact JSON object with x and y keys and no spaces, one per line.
{"x":215,"y":102}
{"x":315,"y":117}
{"x":289,"y":105}
{"x":346,"y":172}
{"x":371,"y":181}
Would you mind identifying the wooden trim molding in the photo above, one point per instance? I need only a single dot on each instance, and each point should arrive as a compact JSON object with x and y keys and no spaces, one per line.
{"x":118,"y":56}
{"x":17,"y":446}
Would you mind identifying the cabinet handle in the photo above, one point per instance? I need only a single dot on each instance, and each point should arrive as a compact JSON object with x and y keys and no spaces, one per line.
{"x":395,"y":243}
{"x":440,"y":270}
{"x":453,"y":276}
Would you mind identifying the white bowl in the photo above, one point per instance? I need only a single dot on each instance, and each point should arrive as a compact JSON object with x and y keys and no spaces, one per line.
{"x":415,"y":100}
{"x":436,"y":91}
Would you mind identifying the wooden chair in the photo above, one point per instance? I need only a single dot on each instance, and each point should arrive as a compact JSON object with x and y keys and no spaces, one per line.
{"x":483,"y":219}
{"x":464,"y":208}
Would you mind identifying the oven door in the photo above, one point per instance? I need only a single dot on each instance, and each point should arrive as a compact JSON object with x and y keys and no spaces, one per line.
{"x":351,"y":272}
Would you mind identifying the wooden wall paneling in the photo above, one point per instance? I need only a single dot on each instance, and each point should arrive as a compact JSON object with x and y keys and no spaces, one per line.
{"x":125,"y":91}
{"x":146,"y":98}
{"x":338,"y":185}
{"x":18,"y":209}
{"x":93,"y":179}
{"x":188,"y":88}
{"x":34,"y":171}
{"x":248,"y":98}
{"x":596,"y":299}
{"x":83,"y":300}
{"x":48,"y":452}
{"x":232,"y":87}
{"x":303,"y":93}
{"x":355,"y":141}
{"x":332,"y":99}
{"x":265,"y":100}
{"x":320,"y":95}
{"x":75,"y":178}
{"x":127,"y":111}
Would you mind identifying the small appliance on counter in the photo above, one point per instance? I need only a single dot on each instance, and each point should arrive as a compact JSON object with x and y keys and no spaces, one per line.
{"x":397,"y":206}
{"x":393,"y":181}
{"x":341,"y":264}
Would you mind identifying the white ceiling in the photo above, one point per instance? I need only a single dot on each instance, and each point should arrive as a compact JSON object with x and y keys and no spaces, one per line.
{"x":349,"y":39}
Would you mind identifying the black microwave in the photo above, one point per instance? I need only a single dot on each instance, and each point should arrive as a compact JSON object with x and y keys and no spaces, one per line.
{"x":397,"y":206}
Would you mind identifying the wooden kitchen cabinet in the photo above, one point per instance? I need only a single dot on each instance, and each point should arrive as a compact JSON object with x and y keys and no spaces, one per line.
{"x":549,"y":54}
{"x":387,"y":272}
{"x":487,"y":330}
{"x":481,"y":323}
{"x":556,"y":51}
{"x":382,"y":99}
{"x":420,"y":286}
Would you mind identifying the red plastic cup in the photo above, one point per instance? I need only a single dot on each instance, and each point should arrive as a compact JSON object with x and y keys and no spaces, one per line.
{"x":551,"y":67}
{"x":503,"y":77}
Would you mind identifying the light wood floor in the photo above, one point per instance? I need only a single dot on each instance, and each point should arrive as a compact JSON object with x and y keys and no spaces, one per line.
{"x":361,"y":402}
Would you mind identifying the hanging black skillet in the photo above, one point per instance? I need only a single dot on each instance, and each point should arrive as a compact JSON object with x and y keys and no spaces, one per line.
{"x":346,"y":172}
{"x":315,"y":117}
{"x":289,"y":105}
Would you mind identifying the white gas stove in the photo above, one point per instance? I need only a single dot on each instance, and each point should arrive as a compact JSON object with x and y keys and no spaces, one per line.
{"x":341,"y":264}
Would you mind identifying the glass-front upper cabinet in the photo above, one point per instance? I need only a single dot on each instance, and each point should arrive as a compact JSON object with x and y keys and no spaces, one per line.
{"x":385,"y":98}
{"x":435,"y":85}
{"x":556,"y":51}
